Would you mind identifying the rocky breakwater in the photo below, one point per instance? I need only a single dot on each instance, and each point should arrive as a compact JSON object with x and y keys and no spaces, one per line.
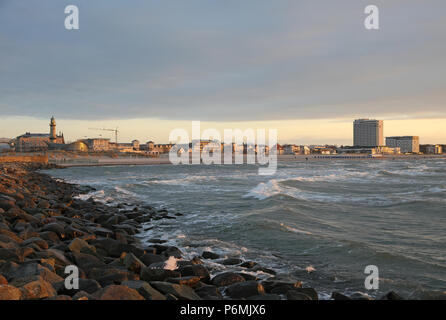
{"x":44,"y":228}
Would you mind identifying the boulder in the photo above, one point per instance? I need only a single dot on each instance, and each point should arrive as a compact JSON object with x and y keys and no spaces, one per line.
{"x":391,"y":296}
{"x":230,"y":261}
{"x":190,"y":281}
{"x":296,"y":294}
{"x":339,"y":296}
{"x":210,"y":255}
{"x":245,"y":289}
{"x":28,"y":272}
{"x":79,"y":245}
{"x":209,"y":292}
{"x":280,"y":286}
{"x":87,"y":261}
{"x":3,"y":280}
{"x":56,"y":227}
{"x":152,"y":274}
{"x":8,"y":292}
{"x":196,"y":270}
{"x":40,"y":242}
{"x":118,"y":292}
{"x":86,"y":285}
{"x":38,"y":290}
{"x":145,"y":290}
{"x":179,"y":291}
{"x":131,"y":262}
{"x":149,"y":258}
{"x":226,"y":279}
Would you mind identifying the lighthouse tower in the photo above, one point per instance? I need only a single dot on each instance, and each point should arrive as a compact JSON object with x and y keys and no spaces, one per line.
{"x":53,"y":135}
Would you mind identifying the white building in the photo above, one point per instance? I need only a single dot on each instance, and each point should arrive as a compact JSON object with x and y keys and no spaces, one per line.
{"x":368,"y":133}
{"x":407,"y":144}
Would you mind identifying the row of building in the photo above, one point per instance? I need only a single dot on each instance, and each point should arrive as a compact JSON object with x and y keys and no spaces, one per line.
{"x":368,"y":138}
{"x":369,"y":133}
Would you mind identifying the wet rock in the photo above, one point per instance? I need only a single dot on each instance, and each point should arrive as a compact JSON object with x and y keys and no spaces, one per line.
{"x":151,"y":274}
{"x":245,"y":289}
{"x":149,"y":258}
{"x":38,"y":290}
{"x":40,"y":242}
{"x":196,"y":270}
{"x":145,"y":289}
{"x":360,"y":296}
{"x":131,"y":262}
{"x":179,"y":291}
{"x":279,"y":286}
{"x":87,"y":261}
{"x":392,"y":295}
{"x":230,"y":261}
{"x":339,"y":296}
{"x":226,"y":279}
{"x":309,"y":292}
{"x":173,"y":252}
{"x":118,"y":292}
{"x":8,"y":292}
{"x":86,"y":285}
{"x":248,"y":277}
{"x":29,"y":271}
{"x":248,"y":264}
{"x":266,"y":296}
{"x":79,"y":245}
{"x":82,"y":295}
{"x":3,"y":280}
{"x":55,"y":227}
{"x":210,"y":255}
{"x":209,"y":292}
{"x":190,"y":281}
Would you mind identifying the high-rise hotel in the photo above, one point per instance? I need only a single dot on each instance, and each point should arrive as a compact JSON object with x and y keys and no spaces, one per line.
{"x":368,"y":133}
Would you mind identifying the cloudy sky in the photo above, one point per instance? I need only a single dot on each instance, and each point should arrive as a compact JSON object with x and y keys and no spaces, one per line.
{"x":304,"y":67}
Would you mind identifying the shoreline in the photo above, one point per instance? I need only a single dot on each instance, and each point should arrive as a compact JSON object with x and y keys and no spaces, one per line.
{"x":45,"y":228}
{"x":106,"y":161}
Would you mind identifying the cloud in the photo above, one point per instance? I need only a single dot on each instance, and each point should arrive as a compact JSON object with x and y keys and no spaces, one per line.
{"x":222,"y":60}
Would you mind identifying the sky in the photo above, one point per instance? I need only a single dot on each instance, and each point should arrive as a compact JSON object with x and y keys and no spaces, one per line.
{"x":306,"y":68}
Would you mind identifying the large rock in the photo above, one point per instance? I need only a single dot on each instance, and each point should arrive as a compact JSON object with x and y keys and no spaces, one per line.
{"x":152,"y":274}
{"x":245,"y":289}
{"x":339,"y":296}
{"x":8,"y":292}
{"x":29,"y":271}
{"x":210,"y":255}
{"x":116,"y":292}
{"x":196,"y":270}
{"x":80,"y":245}
{"x":280,"y":286}
{"x":230,"y":261}
{"x":226,"y":279}
{"x":391,"y":296}
{"x":208,"y":292}
{"x":38,"y":241}
{"x":86,"y":261}
{"x":86,"y":285}
{"x":131,"y":262}
{"x":149,"y":258}
{"x":3,"y":280}
{"x":179,"y":291}
{"x":310,"y":292}
{"x":56,"y":227}
{"x":38,"y":290}
{"x":145,"y":290}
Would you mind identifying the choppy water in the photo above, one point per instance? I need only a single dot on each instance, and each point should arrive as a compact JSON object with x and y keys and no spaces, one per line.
{"x":337,"y":217}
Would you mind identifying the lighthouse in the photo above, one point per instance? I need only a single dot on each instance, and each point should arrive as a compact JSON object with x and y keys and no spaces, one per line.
{"x":53,"y":136}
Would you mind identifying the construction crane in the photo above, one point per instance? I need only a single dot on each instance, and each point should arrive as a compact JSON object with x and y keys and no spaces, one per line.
{"x":113,"y":130}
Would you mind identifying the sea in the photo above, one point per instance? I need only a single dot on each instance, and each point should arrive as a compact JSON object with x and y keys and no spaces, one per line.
{"x":320,"y":222}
